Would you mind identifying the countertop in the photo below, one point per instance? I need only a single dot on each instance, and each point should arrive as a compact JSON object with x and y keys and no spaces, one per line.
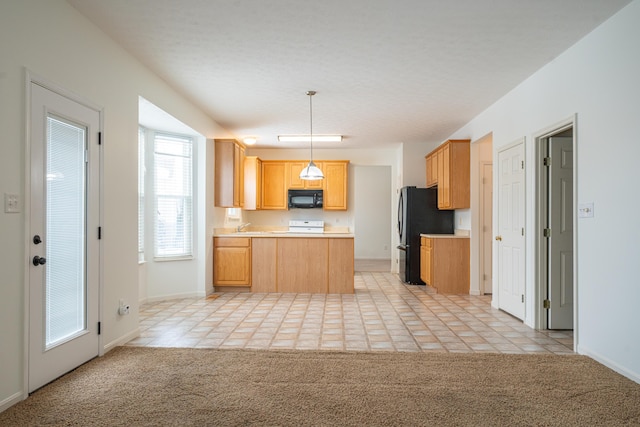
{"x":445,"y":236}
{"x":339,"y":233}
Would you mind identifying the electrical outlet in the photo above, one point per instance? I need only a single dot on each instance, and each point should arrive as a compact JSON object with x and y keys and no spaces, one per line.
{"x":11,"y":203}
{"x":123,"y":309}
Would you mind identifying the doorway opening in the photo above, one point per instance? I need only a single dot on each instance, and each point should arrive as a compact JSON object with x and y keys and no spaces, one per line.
{"x":555,"y":238}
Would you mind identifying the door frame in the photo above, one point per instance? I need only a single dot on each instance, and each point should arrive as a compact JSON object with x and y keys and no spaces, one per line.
{"x":33,"y":78}
{"x":483,"y":235}
{"x":540,"y":211}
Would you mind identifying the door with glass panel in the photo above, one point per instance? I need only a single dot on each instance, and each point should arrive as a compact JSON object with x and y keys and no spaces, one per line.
{"x":63,"y":235}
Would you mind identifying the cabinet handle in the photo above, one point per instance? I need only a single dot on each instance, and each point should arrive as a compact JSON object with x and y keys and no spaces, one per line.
{"x":499,"y":238}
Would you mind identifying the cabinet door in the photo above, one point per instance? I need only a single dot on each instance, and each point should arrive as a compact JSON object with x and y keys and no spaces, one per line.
{"x":293,"y":176}
{"x":426,"y":260}
{"x":232,"y":266}
{"x":224,"y":196}
{"x":459,"y":174}
{"x":238,"y":176}
{"x":423,"y":264}
{"x":252,"y":183}
{"x":335,"y":185}
{"x":274,"y":189}
{"x":316,"y":184}
{"x":432,"y":169}
{"x":444,"y":184}
{"x":428,"y":269}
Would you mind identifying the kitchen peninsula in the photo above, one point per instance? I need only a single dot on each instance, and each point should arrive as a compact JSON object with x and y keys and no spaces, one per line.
{"x":280,"y":261}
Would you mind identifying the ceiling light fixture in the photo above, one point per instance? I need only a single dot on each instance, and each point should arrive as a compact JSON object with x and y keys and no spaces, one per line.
{"x":250,"y":140}
{"x":307,"y":138}
{"x":311,"y":171}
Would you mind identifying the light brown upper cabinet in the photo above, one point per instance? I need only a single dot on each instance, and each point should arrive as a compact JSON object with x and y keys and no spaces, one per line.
{"x":293,"y":176}
{"x":274,"y":188}
{"x":252,"y":183}
{"x":277,"y":176}
{"x":335,"y":184}
{"x":450,"y":163}
{"x":432,"y":169}
{"x":229,"y":174}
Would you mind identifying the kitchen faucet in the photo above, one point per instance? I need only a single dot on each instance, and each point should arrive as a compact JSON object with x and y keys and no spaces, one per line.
{"x":241,"y":226}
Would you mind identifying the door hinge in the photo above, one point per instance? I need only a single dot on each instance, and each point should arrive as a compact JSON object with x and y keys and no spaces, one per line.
{"x":546,"y":232}
{"x":522,"y":298}
{"x":546,"y":304}
{"x":522,"y":230}
{"x":546,"y":161}
{"x":99,"y":138}
{"x":521,"y":164}
{"x":99,"y":233}
{"x":99,"y":328}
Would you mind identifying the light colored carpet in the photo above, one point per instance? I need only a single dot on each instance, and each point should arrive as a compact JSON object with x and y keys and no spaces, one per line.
{"x":207,"y":387}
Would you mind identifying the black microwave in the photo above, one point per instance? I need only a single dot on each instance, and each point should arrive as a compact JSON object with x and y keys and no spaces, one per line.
{"x":305,"y":199}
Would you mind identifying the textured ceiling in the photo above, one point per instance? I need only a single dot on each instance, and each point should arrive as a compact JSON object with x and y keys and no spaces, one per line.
{"x":385,"y":71}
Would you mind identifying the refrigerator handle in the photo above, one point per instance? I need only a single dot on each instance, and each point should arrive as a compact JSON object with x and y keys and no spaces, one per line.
{"x":400,"y":213}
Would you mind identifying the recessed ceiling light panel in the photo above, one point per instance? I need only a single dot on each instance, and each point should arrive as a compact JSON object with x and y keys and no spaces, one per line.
{"x":307,"y":138}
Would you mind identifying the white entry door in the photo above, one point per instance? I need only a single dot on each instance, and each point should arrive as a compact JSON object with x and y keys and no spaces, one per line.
{"x":560,"y":249}
{"x":510,"y":238}
{"x":64,"y":250}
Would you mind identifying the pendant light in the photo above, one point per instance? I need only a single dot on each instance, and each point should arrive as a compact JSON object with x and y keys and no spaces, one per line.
{"x":311,"y":171}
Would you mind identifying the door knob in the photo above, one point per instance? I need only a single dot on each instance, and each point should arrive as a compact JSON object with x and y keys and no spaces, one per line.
{"x":499,"y":238}
{"x":39,"y":260}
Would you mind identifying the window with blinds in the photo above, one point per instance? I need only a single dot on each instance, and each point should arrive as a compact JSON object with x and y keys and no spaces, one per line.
{"x":173,"y":196}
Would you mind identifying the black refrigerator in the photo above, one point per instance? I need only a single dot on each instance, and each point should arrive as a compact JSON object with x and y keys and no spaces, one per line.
{"x":418,"y":213}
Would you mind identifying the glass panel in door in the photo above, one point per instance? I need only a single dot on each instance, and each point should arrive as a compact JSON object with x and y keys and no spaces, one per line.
{"x":65,"y":189}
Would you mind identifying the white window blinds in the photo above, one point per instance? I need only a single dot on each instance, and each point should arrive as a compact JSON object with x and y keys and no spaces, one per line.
{"x":66,"y":221}
{"x":173,"y":161}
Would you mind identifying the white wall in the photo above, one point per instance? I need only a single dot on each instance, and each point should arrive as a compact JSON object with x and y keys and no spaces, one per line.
{"x":414,"y":163}
{"x":90,"y":65}
{"x":598,"y":79}
{"x":372,"y":216}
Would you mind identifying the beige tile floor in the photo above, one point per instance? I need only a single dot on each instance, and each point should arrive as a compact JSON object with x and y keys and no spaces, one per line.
{"x":383,"y":315}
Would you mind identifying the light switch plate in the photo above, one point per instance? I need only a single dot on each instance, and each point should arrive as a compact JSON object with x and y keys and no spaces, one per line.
{"x":11,"y":203}
{"x":585,"y":210}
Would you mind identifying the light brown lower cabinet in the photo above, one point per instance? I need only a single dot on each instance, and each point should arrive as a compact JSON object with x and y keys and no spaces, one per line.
{"x":444,"y":264}
{"x":285,"y":264}
{"x":232,"y":261}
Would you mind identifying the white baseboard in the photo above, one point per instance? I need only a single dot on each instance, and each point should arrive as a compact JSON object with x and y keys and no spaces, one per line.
{"x":121,"y":341}
{"x":10,"y":401}
{"x":633,"y":376}
{"x":173,"y":296}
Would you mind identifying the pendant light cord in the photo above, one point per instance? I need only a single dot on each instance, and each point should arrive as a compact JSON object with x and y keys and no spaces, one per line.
{"x":311,"y":93}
